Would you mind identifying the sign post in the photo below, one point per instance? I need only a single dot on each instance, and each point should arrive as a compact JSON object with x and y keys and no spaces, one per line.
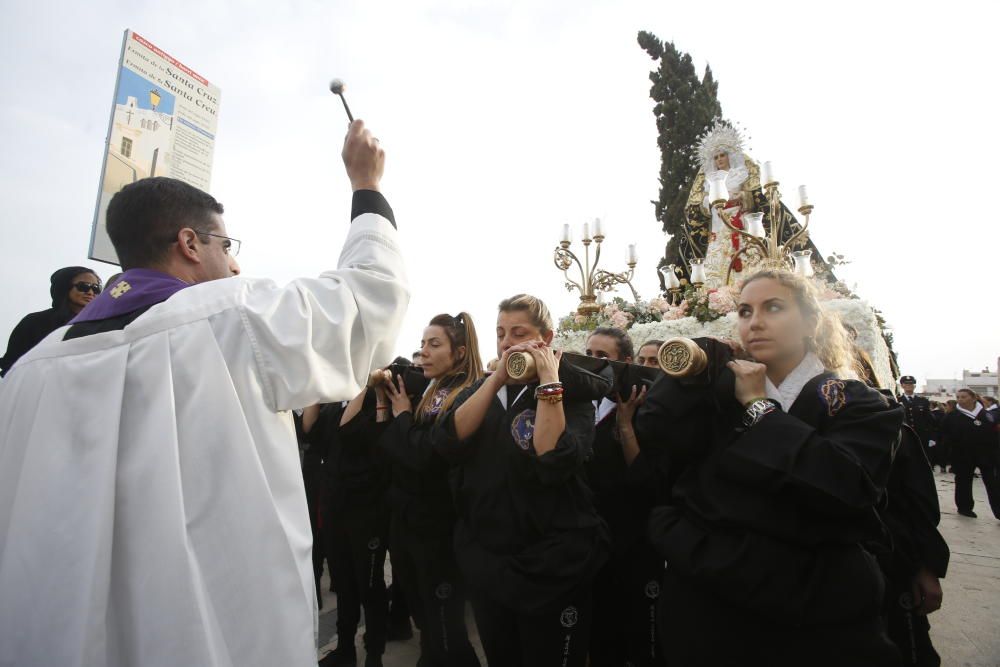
{"x":163,"y":123}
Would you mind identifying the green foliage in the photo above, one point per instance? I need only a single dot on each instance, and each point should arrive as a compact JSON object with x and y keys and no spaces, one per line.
{"x":684,"y":106}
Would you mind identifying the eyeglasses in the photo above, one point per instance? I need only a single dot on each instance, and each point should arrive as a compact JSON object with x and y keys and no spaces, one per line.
{"x":229,"y":244}
{"x":87,"y":287}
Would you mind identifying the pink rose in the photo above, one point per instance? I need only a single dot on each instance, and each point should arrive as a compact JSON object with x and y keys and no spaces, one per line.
{"x":620,"y":320}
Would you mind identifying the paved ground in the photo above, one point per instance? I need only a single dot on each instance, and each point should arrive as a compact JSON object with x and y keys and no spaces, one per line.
{"x":966,"y":631}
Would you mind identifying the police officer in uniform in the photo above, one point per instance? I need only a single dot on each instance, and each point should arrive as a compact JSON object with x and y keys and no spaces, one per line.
{"x":918,"y":412}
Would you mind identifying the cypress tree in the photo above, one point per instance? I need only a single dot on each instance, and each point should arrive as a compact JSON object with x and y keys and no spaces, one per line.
{"x":684,"y":107}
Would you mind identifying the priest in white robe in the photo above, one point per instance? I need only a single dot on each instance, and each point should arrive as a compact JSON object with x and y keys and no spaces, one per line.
{"x":152,"y":509}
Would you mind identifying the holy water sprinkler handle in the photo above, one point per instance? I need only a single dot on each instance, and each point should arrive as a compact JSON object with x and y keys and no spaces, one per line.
{"x":337,"y":88}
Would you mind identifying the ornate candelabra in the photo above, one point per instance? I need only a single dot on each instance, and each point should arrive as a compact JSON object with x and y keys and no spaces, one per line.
{"x":761,"y":247}
{"x":592,"y":279}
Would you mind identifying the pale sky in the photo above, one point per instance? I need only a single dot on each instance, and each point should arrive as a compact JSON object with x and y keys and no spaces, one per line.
{"x":503,"y":121}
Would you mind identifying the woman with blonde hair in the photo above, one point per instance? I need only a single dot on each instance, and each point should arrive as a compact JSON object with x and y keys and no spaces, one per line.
{"x":423,"y":515}
{"x":775,"y":466}
{"x":528,"y":538}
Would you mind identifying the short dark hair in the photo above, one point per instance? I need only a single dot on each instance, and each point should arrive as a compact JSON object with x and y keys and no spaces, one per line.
{"x":652,"y":341}
{"x":621,"y":338}
{"x":966,"y":390}
{"x":145,"y":216}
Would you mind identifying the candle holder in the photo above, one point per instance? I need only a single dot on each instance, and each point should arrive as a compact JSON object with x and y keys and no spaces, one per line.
{"x":592,"y":280}
{"x":759,"y":245}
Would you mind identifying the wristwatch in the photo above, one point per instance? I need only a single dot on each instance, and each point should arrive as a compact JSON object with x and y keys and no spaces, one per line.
{"x":757,"y":409}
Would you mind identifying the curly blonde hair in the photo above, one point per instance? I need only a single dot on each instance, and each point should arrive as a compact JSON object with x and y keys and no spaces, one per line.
{"x":831,"y":342}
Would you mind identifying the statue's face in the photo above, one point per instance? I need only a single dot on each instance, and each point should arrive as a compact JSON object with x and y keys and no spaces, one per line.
{"x":722,"y":161}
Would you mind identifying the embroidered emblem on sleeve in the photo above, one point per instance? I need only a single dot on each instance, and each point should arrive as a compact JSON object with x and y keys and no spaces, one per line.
{"x":437,"y":402}
{"x":833,"y":393}
{"x":522,"y":429}
{"x":569,"y":617}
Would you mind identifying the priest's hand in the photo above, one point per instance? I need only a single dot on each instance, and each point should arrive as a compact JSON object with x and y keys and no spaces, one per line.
{"x":750,"y":380}
{"x":363,"y":157}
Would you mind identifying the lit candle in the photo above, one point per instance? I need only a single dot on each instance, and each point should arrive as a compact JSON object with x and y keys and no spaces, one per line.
{"x":698,"y":271}
{"x":632,"y":256}
{"x":598,"y":230}
{"x":803,"y":196}
{"x":586,"y":231}
{"x":767,"y":174}
{"x":567,"y":236}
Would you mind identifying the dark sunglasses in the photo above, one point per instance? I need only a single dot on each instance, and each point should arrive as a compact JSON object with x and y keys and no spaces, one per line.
{"x":87,"y":287}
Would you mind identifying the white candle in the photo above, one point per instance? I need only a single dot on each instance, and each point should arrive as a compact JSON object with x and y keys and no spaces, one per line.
{"x":598,"y":230}
{"x":632,"y":256}
{"x":803,"y":196}
{"x":697,"y":271}
{"x":717,"y":187}
{"x":754,"y":224}
{"x":767,"y":174}
{"x":670,"y":277}
{"x":586,"y":231}
{"x":567,"y":236}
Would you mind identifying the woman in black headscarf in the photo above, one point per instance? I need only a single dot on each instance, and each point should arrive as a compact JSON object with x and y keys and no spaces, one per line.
{"x":73,"y":287}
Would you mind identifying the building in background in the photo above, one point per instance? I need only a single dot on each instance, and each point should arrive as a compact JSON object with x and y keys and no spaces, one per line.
{"x":984,"y":382}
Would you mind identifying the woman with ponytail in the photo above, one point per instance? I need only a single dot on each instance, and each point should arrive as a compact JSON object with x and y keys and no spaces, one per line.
{"x":776,"y":464}
{"x":423,"y":515}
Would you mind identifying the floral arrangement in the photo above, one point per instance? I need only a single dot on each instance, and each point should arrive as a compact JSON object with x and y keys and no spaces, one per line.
{"x":712,"y":313}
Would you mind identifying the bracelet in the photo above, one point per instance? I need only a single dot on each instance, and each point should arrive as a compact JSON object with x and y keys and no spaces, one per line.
{"x":551,"y":389}
{"x":552,"y":399}
{"x":758,"y":410}
{"x":754,"y":400}
{"x":382,"y":407}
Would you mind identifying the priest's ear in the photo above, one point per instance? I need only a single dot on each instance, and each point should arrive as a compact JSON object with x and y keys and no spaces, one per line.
{"x":188,"y":244}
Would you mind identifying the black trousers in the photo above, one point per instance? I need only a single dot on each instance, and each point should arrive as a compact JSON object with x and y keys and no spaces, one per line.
{"x":557,"y":636}
{"x":964,"y":462}
{"x":434,"y":589}
{"x":356,"y":543}
{"x":697,"y":629}
{"x":626,"y":592}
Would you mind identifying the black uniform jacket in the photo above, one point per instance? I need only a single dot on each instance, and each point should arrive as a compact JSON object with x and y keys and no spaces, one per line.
{"x":356,"y":474}
{"x":420,"y":491}
{"x":621,"y":491}
{"x":773,"y":518}
{"x":527,"y":533}
{"x":968,"y":438}
{"x":912,"y":514}
{"x":919,"y":417}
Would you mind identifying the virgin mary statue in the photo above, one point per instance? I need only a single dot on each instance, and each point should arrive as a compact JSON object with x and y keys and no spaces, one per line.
{"x":706,"y":237}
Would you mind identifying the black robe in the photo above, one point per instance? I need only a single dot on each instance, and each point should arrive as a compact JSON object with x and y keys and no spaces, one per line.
{"x":355,"y":473}
{"x":527,"y":533}
{"x":779,"y":519}
{"x":30,"y":331}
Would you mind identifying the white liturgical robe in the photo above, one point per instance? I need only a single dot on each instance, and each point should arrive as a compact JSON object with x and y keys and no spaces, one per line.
{"x":152,"y":509}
